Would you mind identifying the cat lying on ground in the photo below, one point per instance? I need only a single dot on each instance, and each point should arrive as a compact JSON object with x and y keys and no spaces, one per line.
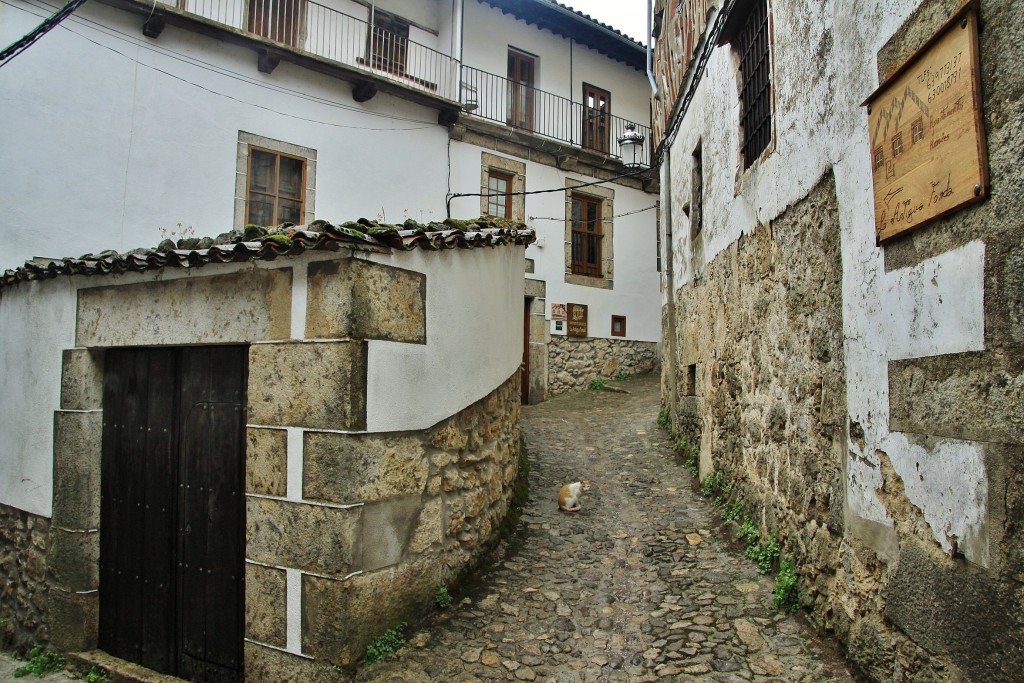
{"x":569,"y":495}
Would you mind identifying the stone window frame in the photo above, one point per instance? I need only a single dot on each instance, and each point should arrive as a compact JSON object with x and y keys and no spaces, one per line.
{"x":607,"y":197}
{"x":248,"y":141}
{"x":510,"y":167}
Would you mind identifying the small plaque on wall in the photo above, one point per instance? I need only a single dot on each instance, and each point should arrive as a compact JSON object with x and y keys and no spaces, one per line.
{"x":928,"y":152}
{"x":577,"y":314}
{"x":558,"y":311}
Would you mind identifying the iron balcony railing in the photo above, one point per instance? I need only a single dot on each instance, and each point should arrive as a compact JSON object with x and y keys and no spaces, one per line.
{"x":522,"y":106}
{"x":327,"y":33}
{"x":335,"y":36}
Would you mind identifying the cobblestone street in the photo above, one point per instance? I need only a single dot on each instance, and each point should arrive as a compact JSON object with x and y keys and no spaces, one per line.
{"x":644,"y":584}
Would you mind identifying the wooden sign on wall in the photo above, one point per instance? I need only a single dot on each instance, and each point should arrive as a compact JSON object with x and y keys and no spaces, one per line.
{"x":928,"y":151}
{"x":577,"y":314}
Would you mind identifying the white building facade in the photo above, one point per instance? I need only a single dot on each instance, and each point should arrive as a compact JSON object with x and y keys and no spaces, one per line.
{"x":136,"y":122}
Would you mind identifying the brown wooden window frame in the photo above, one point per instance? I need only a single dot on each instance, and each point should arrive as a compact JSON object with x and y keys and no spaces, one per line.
{"x":596,"y":119}
{"x":506,"y":196}
{"x":587,"y":235}
{"x":276,"y":193}
{"x":621,"y":321}
{"x":522,"y":81}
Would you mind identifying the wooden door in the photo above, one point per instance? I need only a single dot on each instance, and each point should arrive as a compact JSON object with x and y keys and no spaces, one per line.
{"x":524,"y":387}
{"x":172,"y":510}
{"x":597,"y":106}
{"x":521,"y":71}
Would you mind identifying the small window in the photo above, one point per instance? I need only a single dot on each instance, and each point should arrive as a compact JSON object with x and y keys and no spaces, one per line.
{"x":499,"y":194}
{"x":917,"y":130}
{"x":276,"y":192}
{"x":897,"y":144}
{"x":879,"y":157}
{"x":691,"y":380}
{"x":618,"y":326}
{"x":752,"y":44}
{"x":586,"y":235}
{"x":697,"y":193}
{"x":389,"y":43}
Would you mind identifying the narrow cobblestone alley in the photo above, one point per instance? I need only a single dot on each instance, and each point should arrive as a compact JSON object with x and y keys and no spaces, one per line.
{"x":643,"y":584}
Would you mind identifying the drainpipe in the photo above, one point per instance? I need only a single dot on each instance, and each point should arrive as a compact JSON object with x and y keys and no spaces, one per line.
{"x":650,"y":54}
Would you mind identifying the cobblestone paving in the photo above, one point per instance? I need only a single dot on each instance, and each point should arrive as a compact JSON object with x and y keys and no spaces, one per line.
{"x":644,"y":584}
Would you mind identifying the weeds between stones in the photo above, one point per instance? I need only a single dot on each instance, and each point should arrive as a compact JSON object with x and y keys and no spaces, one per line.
{"x":765,"y":552}
{"x":40,"y":662}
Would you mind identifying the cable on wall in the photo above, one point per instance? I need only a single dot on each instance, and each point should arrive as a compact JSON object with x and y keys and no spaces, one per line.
{"x":26,"y":41}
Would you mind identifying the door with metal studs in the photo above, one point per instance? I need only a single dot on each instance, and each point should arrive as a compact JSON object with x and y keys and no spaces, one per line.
{"x":172,"y":516}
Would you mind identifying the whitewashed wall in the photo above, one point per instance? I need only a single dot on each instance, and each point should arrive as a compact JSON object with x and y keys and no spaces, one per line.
{"x":106,"y":148}
{"x":635,"y":292}
{"x":562,"y":65}
{"x":820,"y":125}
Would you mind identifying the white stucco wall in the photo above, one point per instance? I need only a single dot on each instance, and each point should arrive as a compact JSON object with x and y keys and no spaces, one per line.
{"x":115,"y":140}
{"x":932,"y":308}
{"x":37,"y":322}
{"x":474,"y":343}
{"x":636,"y":278}
{"x":562,"y":65}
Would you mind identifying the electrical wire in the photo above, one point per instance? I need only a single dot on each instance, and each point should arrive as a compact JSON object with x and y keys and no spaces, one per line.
{"x":603,"y":220}
{"x":451,"y":196}
{"x":26,"y":41}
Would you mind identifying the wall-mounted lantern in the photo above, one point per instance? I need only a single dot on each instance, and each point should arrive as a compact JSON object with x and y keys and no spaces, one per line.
{"x":631,"y":147}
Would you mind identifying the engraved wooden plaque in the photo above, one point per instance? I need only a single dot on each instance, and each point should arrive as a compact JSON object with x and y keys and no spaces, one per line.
{"x":928,"y":152}
{"x":577,"y":314}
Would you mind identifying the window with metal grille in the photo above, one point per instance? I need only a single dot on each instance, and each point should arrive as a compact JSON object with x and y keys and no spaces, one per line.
{"x":389,"y":42}
{"x":586,"y":235}
{"x":499,"y":200}
{"x":752,"y":43}
{"x":276,"y":190}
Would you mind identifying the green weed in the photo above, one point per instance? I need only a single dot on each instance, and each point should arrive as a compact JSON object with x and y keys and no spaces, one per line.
{"x":442,"y":597}
{"x":597,"y":383}
{"x":40,"y":662}
{"x":663,"y":416}
{"x":764,"y":554}
{"x":732,"y":511}
{"x":621,"y":377}
{"x":711,"y":484}
{"x":386,"y":645}
{"x":786,"y":595}
{"x":97,"y":674}
{"x":748,"y":532}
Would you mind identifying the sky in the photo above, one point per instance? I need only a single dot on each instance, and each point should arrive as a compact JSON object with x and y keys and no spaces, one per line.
{"x":629,"y":16}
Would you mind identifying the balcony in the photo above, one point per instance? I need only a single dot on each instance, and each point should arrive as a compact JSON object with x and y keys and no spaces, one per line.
{"x":314,"y":30}
{"x":532,"y":110}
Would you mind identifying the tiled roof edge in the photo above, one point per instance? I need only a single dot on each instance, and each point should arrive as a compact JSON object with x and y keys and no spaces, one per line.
{"x":262,"y":244}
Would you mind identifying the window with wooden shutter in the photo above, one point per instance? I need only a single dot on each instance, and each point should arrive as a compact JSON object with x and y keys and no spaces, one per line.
{"x":586,"y":235}
{"x":276,"y":191}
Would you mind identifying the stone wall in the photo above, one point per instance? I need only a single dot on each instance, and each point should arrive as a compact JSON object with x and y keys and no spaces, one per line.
{"x":760,"y":378}
{"x":574,"y":362}
{"x":23,"y":587}
{"x":866,"y":398}
{"x":384,"y":520}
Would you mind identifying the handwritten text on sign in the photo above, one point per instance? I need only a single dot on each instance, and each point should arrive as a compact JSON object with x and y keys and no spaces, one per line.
{"x":927,"y":141}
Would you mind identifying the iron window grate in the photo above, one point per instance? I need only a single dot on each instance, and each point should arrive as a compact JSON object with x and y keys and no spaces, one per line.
{"x":755,"y":91}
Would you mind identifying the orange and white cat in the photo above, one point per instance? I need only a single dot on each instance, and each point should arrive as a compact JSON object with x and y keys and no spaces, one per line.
{"x":569,"y":495}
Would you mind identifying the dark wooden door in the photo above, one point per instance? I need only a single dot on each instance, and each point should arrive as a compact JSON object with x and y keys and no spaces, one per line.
{"x":521,"y":70}
{"x":597,"y":106}
{"x":172,"y":515}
